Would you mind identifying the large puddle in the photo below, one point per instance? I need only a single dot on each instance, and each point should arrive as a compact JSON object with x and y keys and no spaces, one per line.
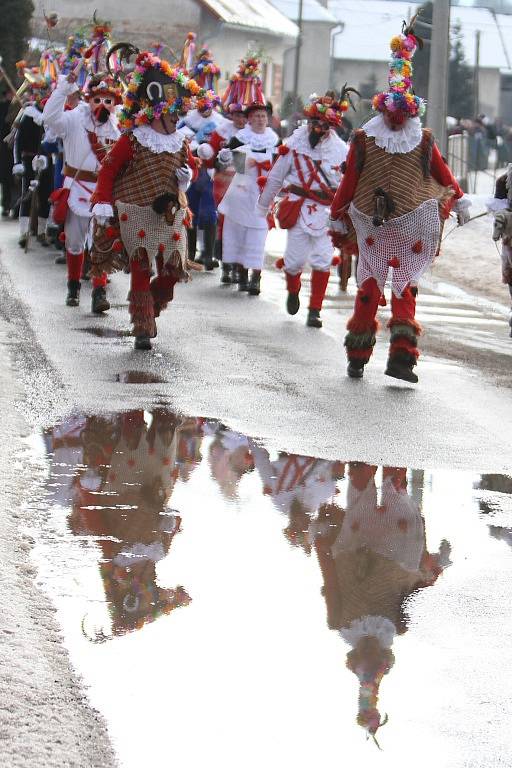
{"x":230,"y":606}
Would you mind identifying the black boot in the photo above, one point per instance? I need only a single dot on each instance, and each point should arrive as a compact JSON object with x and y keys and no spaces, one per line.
{"x":60,"y":259}
{"x":22,"y":242}
{"x":235,"y":273}
{"x":254,"y":283}
{"x":292,"y":303}
{"x":225,"y":277}
{"x":99,"y":302}
{"x":86,"y":266}
{"x":314,"y":320}
{"x":355,"y":369}
{"x":208,"y":257}
{"x":73,"y":297}
{"x":42,"y":240}
{"x":243,"y":279}
{"x":142,"y":342}
{"x":401,"y":366}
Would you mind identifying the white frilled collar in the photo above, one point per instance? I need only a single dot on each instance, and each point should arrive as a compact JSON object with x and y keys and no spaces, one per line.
{"x":33,"y":112}
{"x":266,"y":140}
{"x":370,"y":626}
{"x":395,"y":142}
{"x":331,"y":150}
{"x":159,"y":142}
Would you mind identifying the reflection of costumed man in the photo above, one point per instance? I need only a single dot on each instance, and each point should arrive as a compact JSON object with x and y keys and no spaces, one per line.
{"x":396,"y":190}
{"x":229,"y":457}
{"x":298,"y":487}
{"x":371,"y":562}
{"x":140,"y":202}
{"x":245,"y":229}
{"x":87,"y":132}
{"x":29,"y":159}
{"x":501,"y":206}
{"x":308,"y":171}
{"x":122,"y":496}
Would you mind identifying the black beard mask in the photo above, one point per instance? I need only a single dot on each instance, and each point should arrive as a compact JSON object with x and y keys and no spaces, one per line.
{"x":103,"y":115}
{"x":315,"y":138}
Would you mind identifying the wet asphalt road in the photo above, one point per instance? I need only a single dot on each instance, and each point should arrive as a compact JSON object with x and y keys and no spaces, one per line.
{"x":245,"y":361}
{"x":213,"y":520}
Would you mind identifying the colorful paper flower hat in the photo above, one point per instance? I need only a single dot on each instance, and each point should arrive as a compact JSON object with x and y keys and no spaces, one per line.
{"x":400,"y":102}
{"x":245,"y":89}
{"x":206,"y":72}
{"x":73,"y":55}
{"x":154,"y":87}
{"x":330,"y":108}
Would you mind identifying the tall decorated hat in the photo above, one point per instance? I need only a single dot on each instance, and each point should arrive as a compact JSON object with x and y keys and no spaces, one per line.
{"x":34,"y":84}
{"x":245,"y":89}
{"x":206,"y":72}
{"x":400,"y":101}
{"x":331,"y":107}
{"x":69,"y":60}
{"x":153,"y":88}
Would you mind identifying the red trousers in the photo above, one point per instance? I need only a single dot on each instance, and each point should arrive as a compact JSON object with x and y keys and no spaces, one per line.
{"x":362,"y":326}
{"x":148,"y":297}
{"x":319,"y":282}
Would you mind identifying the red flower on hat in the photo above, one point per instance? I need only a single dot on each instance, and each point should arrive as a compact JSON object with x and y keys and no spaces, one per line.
{"x":176,"y":236}
{"x":141,"y":233}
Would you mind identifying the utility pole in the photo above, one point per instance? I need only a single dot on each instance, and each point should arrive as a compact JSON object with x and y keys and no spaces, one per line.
{"x":476,"y":76}
{"x":437,"y":103}
{"x":297,"y":56}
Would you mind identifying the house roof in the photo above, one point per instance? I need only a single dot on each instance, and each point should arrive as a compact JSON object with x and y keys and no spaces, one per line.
{"x":312,"y":10}
{"x":384,"y":19}
{"x":253,"y":14}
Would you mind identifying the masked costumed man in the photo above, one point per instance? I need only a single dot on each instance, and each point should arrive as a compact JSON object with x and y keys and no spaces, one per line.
{"x":372,"y":559}
{"x":501,"y":206}
{"x":396,"y":192}
{"x":141,"y":191}
{"x":245,"y":229}
{"x":87,"y":133}
{"x":29,"y":159}
{"x":308,"y":171}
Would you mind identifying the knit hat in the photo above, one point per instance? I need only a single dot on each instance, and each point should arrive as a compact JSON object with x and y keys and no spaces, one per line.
{"x":400,"y":101}
{"x":245,"y":87}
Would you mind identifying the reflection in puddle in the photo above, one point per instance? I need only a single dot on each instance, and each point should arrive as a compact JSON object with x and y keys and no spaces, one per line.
{"x":139,"y":377}
{"x":270,"y":557}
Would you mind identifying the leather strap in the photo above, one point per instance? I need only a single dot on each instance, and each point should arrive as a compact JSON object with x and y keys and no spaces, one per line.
{"x":79,"y":175}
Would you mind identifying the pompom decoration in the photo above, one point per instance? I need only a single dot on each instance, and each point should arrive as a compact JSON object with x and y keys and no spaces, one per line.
{"x":394,"y":262}
{"x":176,"y":236}
{"x":261,"y":181}
{"x":283,"y":150}
{"x":329,"y":108}
{"x":335,"y":261}
{"x":279,"y":263}
{"x":400,"y":97}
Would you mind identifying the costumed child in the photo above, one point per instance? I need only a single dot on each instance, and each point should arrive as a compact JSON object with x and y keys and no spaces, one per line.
{"x":245,"y":229}
{"x":396,"y":192}
{"x":140,"y":202}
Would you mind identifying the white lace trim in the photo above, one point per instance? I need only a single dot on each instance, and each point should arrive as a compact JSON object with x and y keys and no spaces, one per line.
{"x":266,"y":140}
{"x":395,"y":142}
{"x":33,"y":112}
{"x":370,"y":626}
{"x":331,"y":150}
{"x":159,"y":142}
